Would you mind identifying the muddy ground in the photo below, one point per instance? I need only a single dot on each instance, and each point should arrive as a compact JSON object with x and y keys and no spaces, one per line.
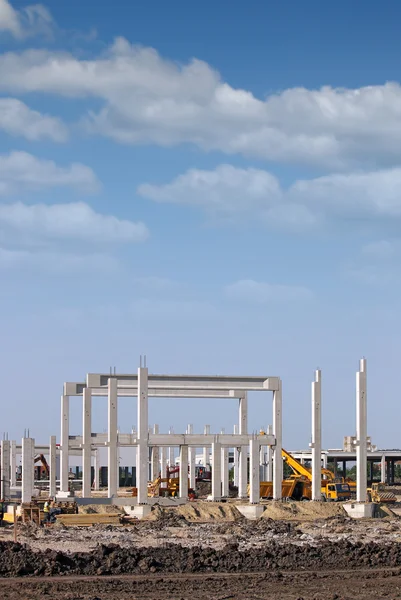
{"x":209,"y":551}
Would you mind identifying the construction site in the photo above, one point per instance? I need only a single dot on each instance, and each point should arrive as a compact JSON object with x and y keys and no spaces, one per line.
{"x":198,"y":515}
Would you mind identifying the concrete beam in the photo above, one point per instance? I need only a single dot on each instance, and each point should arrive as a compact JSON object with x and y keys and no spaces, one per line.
{"x":196,"y":440}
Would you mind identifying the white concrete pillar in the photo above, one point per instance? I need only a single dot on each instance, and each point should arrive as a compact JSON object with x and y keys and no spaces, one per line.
{"x":64,"y":441}
{"x":383,"y":469}
{"x":86,"y":442}
{"x":324,"y":461}
{"x":225,"y":487}
{"x":52,"y":467}
{"x":361,"y":432}
{"x":243,"y":454}
{"x":183,"y":471}
{"x":96,"y":482}
{"x":163,"y":462}
{"x":171,"y":453}
{"x":28,"y":449}
{"x":254,"y":479}
{"x":236,"y":461}
{"x":13,"y":464}
{"x":5,"y":469}
{"x":206,"y":459}
{"x":216,"y":471}
{"x":278,"y":434}
{"x":155,"y":462}
{"x":269,"y":471}
{"x":191,"y":460}
{"x":112,"y":396}
{"x":316,"y":444}
{"x":143,"y":428}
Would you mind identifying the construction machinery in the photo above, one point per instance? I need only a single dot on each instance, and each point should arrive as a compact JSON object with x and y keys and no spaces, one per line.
{"x":43,"y":471}
{"x":378,"y":493}
{"x":333,"y":489}
{"x":294,"y":488}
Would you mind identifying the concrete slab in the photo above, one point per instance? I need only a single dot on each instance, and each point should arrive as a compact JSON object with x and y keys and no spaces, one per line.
{"x":361,"y":510}
{"x":251,"y":511}
{"x":140,"y":511}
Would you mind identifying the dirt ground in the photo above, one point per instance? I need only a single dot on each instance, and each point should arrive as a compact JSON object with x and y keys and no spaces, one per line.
{"x":296,"y":551}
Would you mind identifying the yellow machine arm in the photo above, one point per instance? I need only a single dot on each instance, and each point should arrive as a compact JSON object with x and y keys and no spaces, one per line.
{"x":300,"y":469}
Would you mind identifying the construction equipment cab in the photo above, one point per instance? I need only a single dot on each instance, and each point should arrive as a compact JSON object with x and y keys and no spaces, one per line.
{"x":335,"y":492}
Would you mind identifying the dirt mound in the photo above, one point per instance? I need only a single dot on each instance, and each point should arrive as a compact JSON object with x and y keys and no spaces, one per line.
{"x":165,"y":517}
{"x":206,"y":512}
{"x":302,"y":511}
{"x":99,"y":509}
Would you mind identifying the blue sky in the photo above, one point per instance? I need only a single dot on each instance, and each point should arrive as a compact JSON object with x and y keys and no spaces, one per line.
{"x":214,"y":186}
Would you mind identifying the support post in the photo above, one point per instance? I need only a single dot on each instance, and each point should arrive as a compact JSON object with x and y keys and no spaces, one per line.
{"x":206,"y":459}
{"x":13,"y":464}
{"x":112,"y":437}
{"x":216,"y":472}
{"x":254,"y":479}
{"x":64,"y":441}
{"x":191,"y":460}
{"x":86,"y":442}
{"x":236,"y":461}
{"x":183,"y":472}
{"x":155,"y":463}
{"x":243,"y":454}
{"x":383,"y":469}
{"x":5,"y":469}
{"x":278,"y":434}
{"x":317,"y":436}
{"x":269,"y":473}
{"x":143,"y":428}
{"x":163,"y":462}
{"x":361,"y":432}
{"x":28,"y":448}
{"x":52,"y":467}
{"x":96,"y":482}
{"x":225,"y":488}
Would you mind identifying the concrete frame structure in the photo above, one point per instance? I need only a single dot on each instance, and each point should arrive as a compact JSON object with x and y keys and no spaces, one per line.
{"x":144,"y":386}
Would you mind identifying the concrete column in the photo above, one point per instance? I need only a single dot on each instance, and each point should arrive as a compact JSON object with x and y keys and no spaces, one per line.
{"x":13,"y":464}
{"x":317,"y":436}
{"x":191,"y":460}
{"x":86,"y":442}
{"x":361,"y":432}
{"x":97,"y":465}
{"x":28,"y":449}
{"x":254,"y":480}
{"x":225,"y":488}
{"x":143,"y":425}
{"x":163,"y":462}
{"x":335,"y":467}
{"x":171,"y":454}
{"x":52,"y":467}
{"x":243,"y":454}
{"x":184,"y":471}
{"x":383,"y":469}
{"x":216,"y":472}
{"x":112,"y":437}
{"x":65,"y":432}
{"x":155,"y":462}
{"x":269,"y":473}
{"x":236,"y":461}
{"x":206,"y":459}
{"x":278,"y":434}
{"x":5,"y":469}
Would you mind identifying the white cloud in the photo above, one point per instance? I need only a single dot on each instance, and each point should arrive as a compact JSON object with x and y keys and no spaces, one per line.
{"x":56,"y":262}
{"x":20,"y":170}
{"x":31,"y":20}
{"x":148,"y":99}
{"x":259,"y":292}
{"x":66,"y":222}
{"x":17,"y":119}
{"x":382,"y":249}
{"x":233,"y":194}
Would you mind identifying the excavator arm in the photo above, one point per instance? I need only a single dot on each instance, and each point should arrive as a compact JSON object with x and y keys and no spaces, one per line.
{"x":296,"y":466}
{"x":41,"y":458}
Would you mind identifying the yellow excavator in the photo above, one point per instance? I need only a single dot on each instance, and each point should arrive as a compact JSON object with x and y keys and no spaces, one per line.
{"x":333,"y":490}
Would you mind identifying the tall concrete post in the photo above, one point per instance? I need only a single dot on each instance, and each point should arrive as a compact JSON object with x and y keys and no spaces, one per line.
{"x":254,"y":478}
{"x":112,"y":396}
{"x":316,"y":444}
{"x":383,"y":469}
{"x":171,"y":454}
{"x":13,"y":464}
{"x":86,"y":442}
{"x":5,"y":469}
{"x":361,"y":432}
{"x":236,"y":461}
{"x":64,"y":441}
{"x":278,"y":434}
{"x":52,"y":467}
{"x":163,"y":462}
{"x":143,"y":425}
{"x":269,"y":473}
{"x":28,"y":449}
{"x":96,"y":482}
{"x":191,"y":460}
{"x":206,"y":459}
{"x":155,"y":462}
{"x":183,"y":471}
{"x":225,"y":488}
{"x":243,"y":455}
{"x":216,"y":472}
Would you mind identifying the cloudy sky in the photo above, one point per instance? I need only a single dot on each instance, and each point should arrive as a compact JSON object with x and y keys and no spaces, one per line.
{"x":214,"y":185}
